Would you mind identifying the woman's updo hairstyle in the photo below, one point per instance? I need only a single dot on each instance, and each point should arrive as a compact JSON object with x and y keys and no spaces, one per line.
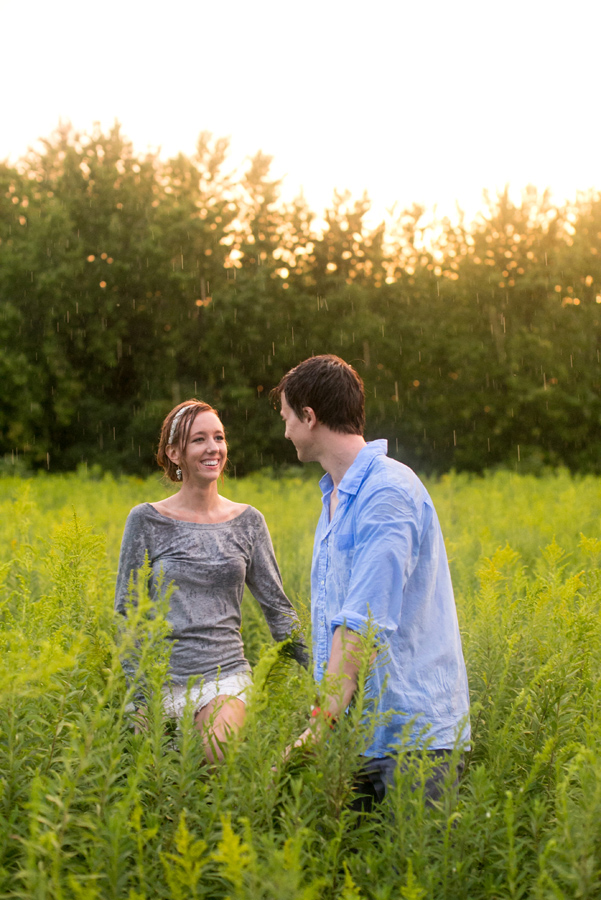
{"x":177,"y":432}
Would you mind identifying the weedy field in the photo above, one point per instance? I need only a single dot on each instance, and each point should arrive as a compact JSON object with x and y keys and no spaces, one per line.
{"x":90,"y":810}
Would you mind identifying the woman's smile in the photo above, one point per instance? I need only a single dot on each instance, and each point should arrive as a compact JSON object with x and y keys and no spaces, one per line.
{"x":206,"y":449}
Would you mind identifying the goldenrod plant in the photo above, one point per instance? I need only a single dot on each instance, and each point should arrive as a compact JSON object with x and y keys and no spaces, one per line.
{"x":92,"y":808}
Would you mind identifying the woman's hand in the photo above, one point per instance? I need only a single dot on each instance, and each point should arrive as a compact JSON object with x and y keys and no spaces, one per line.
{"x":140,"y":720}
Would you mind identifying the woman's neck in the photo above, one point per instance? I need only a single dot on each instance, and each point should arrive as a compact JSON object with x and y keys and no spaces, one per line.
{"x":199,"y":498}
{"x":195,"y":501}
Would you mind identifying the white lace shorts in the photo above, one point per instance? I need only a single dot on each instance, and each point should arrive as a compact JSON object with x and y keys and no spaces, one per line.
{"x":175,"y":695}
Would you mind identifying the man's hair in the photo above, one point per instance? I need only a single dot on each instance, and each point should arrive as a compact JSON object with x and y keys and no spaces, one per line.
{"x":331,"y":388}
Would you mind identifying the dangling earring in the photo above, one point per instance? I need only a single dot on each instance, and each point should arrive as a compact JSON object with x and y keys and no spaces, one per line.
{"x":178,"y":474}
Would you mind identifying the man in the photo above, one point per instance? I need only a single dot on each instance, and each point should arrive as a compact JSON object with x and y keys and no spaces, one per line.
{"x":379,"y":560}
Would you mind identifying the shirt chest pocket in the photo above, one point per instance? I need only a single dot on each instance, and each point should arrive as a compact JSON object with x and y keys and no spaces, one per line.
{"x":345,"y":541}
{"x":342,"y":558}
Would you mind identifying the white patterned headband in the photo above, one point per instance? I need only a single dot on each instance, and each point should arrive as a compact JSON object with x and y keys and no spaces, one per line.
{"x":175,"y":423}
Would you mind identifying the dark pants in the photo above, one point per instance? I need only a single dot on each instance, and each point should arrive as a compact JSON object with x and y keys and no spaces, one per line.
{"x":377,"y":775}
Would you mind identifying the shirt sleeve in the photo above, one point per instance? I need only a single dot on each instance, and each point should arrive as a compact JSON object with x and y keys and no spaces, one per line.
{"x":131,"y":559}
{"x":265,"y":583}
{"x":382,"y":558}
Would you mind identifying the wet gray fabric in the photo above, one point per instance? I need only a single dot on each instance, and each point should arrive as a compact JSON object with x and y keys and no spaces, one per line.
{"x":209,"y":566}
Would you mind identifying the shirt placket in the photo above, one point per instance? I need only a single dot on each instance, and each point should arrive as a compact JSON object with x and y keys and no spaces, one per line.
{"x":323,"y":639}
{"x":332,"y":528}
{"x":321,"y":606}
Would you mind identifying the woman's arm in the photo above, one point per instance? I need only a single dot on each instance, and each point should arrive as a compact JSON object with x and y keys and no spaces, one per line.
{"x":265,"y":583}
{"x":134,"y":549}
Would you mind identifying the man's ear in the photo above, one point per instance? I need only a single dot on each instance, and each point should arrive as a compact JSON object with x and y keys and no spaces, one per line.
{"x":309,"y":417}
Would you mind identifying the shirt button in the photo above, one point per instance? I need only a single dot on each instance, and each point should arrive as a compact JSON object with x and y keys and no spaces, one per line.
{"x":322,"y":583}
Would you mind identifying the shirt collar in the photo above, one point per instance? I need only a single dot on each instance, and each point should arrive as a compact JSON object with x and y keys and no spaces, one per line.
{"x":354,"y":475}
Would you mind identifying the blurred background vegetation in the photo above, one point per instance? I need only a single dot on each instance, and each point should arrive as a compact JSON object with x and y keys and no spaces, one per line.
{"x":129,"y":283}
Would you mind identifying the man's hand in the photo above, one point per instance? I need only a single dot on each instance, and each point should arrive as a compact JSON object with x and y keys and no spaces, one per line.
{"x":340,"y":684}
{"x":307,"y":738}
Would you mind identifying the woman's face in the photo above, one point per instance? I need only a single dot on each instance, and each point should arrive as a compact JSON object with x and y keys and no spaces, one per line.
{"x":206,"y":451}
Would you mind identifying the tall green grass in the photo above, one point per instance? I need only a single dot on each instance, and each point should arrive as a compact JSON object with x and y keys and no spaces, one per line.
{"x":90,"y":810}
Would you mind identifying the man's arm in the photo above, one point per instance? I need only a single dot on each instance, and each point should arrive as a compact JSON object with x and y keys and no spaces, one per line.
{"x":386,"y":548}
{"x":342,"y":671}
{"x":340,"y":683}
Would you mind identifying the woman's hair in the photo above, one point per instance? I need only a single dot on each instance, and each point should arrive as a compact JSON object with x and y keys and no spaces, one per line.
{"x":177,"y":432}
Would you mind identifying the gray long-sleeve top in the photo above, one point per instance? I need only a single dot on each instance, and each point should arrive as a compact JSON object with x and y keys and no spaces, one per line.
{"x":209,"y":565}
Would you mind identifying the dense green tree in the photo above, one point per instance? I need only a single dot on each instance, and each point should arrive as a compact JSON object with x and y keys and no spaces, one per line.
{"x":128,"y":283}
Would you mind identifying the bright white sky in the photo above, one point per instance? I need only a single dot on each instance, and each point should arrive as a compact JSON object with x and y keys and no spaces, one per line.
{"x":427,"y":101}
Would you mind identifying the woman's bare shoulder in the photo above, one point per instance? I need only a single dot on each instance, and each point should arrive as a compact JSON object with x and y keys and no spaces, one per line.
{"x":162,"y":506}
{"x":232,"y":509}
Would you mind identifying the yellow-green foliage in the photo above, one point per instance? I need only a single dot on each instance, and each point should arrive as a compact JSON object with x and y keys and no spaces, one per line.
{"x":90,"y":810}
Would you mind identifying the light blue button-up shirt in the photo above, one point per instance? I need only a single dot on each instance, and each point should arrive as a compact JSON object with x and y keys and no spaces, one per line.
{"x":382,"y":559}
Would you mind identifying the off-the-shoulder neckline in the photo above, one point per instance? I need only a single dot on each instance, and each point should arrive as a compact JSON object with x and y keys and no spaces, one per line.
{"x":199,"y":524}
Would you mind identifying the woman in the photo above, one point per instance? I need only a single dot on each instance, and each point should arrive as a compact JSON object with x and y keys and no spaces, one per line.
{"x":208,"y":547}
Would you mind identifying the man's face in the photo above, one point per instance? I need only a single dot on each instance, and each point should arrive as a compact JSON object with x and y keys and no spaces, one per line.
{"x":298,"y":431}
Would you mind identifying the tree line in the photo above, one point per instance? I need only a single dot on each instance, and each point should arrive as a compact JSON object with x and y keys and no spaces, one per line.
{"x":129,"y":283}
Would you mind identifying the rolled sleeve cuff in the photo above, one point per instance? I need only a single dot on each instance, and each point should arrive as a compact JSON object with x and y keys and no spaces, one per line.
{"x":351,"y":620}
